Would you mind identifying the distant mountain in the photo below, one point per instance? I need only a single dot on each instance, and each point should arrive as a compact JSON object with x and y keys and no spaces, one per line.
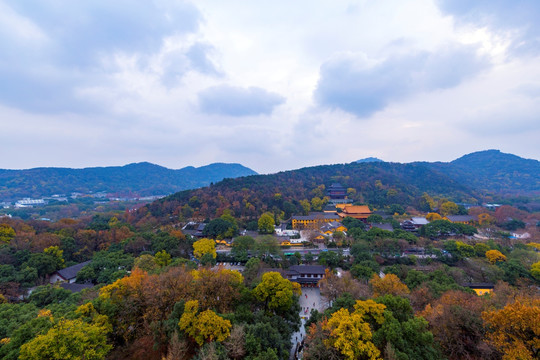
{"x":369,"y":159}
{"x":494,"y":171}
{"x":141,"y":178}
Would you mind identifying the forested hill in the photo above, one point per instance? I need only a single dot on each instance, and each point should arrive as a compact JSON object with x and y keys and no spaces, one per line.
{"x":381,"y":184}
{"x":377,"y":183}
{"x":140,"y":178}
{"x":494,"y":171}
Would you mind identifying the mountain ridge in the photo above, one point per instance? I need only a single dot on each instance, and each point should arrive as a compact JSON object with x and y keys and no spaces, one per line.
{"x":381,"y":184}
{"x":143,"y":178}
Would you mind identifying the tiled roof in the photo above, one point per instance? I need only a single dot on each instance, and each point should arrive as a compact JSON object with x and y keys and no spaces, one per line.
{"x":73,"y":287}
{"x":72,"y":271}
{"x":357,"y":209}
{"x":461,"y":218}
{"x":419,"y":221}
{"x":308,"y":269}
{"x":479,"y":285}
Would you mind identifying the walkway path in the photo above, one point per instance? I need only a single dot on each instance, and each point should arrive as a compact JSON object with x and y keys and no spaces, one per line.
{"x":310,"y":299}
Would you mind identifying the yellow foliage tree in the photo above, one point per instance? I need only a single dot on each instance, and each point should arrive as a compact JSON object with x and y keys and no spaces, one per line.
{"x":204,"y":246}
{"x":389,"y":284}
{"x":485,"y":219}
{"x":515,"y":329}
{"x":204,"y":326}
{"x":433,"y":216}
{"x":494,"y":256}
{"x":6,"y":233}
{"x":351,"y":333}
{"x":449,"y":208}
{"x":275,"y":291}
{"x":534,"y":245}
{"x":69,"y":339}
{"x":535,"y":270}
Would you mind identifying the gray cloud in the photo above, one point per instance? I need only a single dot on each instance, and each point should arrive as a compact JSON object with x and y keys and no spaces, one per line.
{"x":197,"y":57}
{"x":237,"y":101}
{"x":520,"y":15}
{"x":355,"y":85}
{"x":41,"y":72}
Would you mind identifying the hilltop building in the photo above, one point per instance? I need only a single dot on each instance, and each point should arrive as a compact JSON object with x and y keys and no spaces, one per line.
{"x":336,"y":192}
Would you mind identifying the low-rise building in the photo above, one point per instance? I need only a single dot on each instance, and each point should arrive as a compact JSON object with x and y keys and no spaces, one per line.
{"x":312,"y":221}
{"x":68,"y":274}
{"x":305,"y":275}
{"x":480,"y":288}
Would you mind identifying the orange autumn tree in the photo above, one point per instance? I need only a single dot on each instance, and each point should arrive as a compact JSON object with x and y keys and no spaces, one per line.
{"x":515,"y":329}
{"x":389,"y":284}
{"x":217,"y":289}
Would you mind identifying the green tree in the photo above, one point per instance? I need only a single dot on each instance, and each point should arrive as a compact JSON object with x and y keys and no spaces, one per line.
{"x":219,"y":229}
{"x":48,"y":294}
{"x":57,"y":255}
{"x":145,"y":262}
{"x":306,"y":206}
{"x":162,"y":258}
{"x":266,"y":245}
{"x":317,"y":203}
{"x":266,"y":224}
{"x":375,"y":219}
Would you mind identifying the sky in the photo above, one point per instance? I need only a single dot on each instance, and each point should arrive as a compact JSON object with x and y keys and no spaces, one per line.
{"x":273,"y":85}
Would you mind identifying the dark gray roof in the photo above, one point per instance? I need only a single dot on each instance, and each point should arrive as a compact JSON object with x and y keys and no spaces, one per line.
{"x":479,"y":285}
{"x":73,"y":287}
{"x":461,"y":218}
{"x":384,"y":226}
{"x":308,"y":269}
{"x":72,"y":271}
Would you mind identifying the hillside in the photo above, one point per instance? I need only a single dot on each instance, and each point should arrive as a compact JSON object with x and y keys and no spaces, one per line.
{"x":381,"y":184}
{"x":494,"y":171}
{"x":377,"y":183}
{"x":140,"y":178}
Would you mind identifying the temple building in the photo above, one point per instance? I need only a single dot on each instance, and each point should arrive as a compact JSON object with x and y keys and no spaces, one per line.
{"x":360,"y":212}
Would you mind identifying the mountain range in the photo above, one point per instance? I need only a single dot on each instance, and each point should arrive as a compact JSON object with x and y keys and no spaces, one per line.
{"x":471,"y":176}
{"x":140,"y":178}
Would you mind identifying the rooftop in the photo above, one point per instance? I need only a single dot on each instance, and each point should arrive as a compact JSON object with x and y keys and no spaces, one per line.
{"x":72,"y":271}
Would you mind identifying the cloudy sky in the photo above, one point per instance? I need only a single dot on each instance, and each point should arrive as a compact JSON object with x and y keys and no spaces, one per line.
{"x":273,"y":85}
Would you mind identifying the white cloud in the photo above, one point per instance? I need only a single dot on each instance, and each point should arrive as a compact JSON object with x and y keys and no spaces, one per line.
{"x":270,"y":84}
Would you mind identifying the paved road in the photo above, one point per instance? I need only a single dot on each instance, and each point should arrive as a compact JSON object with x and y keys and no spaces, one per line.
{"x":310,"y":299}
